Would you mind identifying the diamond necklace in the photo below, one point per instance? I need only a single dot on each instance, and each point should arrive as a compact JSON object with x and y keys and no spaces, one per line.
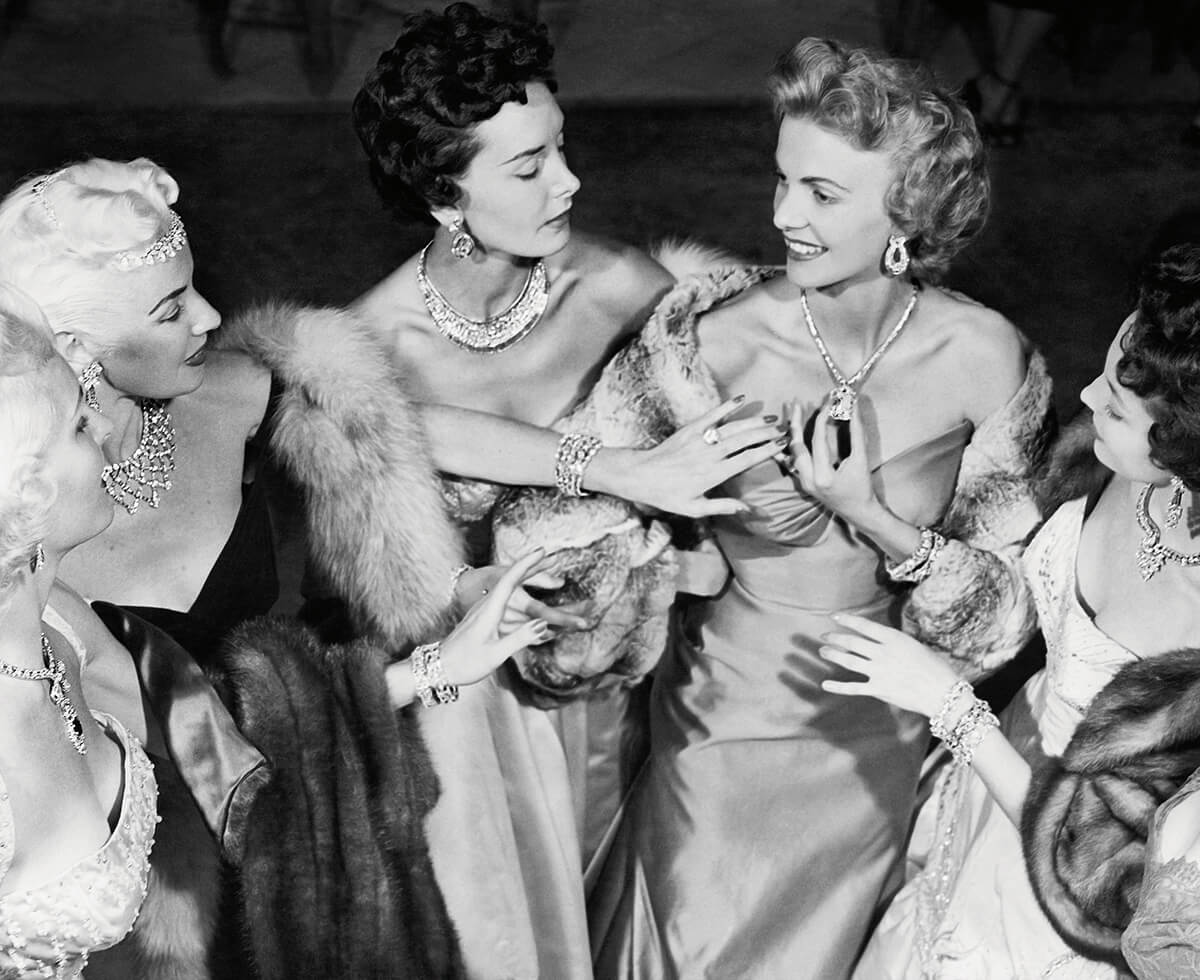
{"x":843,"y":398}
{"x":1152,"y":554}
{"x":55,"y":672}
{"x":494,"y":333}
{"x":139,"y":477}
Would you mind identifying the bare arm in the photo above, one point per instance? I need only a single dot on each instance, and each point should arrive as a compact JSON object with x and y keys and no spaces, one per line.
{"x":899,"y":670}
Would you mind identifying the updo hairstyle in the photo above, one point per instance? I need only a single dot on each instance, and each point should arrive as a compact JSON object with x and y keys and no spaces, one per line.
{"x":417,"y":110}
{"x":1160,"y":362}
{"x":92,"y":212}
{"x":939,"y":196}
{"x":29,"y":419}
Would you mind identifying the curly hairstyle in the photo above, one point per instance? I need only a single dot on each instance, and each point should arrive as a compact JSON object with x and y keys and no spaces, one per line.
{"x":418,"y":108}
{"x":29,"y":417}
{"x":940,"y":194}
{"x":52,"y":246}
{"x":1160,"y":360}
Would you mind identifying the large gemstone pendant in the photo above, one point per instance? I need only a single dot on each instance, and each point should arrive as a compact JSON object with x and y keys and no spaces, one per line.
{"x":1150,"y":558}
{"x":841,"y":403}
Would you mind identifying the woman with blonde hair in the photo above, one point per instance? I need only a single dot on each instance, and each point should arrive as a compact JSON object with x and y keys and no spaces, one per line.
{"x":77,"y":791}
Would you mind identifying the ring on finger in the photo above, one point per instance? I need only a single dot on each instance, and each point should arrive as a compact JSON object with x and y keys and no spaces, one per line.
{"x":711,"y":435}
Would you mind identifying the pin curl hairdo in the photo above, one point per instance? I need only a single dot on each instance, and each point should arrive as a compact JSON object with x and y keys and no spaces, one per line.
{"x":417,"y":110}
{"x":940,"y":193}
{"x":1160,"y":360}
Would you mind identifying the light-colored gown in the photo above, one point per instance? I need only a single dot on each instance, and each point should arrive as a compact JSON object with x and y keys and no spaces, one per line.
{"x":770,"y":823}
{"x":971,"y":913}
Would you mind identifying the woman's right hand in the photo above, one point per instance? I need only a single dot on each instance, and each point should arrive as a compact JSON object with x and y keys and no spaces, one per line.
{"x":675,"y":475}
{"x":482,"y":640}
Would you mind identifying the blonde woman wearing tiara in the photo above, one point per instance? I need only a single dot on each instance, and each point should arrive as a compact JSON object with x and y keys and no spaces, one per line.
{"x":1115,"y":578}
{"x":769,"y":827}
{"x":77,"y":791}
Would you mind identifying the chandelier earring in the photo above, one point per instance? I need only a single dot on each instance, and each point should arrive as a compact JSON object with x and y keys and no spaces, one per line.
{"x":461,"y":242}
{"x":37,"y":559}
{"x":895,"y":256}
{"x":1175,"y":505}
{"x":87,"y":381}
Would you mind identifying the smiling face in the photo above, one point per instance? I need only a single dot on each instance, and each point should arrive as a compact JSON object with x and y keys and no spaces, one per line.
{"x":148,"y":328}
{"x":1122,"y":422}
{"x":74,"y":464}
{"x":829,"y":205}
{"x":517,"y":191}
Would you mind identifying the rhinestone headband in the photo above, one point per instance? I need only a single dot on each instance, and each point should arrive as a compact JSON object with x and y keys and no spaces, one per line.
{"x":167,"y":246}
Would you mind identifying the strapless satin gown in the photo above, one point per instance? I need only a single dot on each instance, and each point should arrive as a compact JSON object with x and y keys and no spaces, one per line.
{"x":770,"y":822}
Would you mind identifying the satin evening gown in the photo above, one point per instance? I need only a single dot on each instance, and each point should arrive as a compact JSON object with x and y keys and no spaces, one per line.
{"x":971,"y":913}
{"x":770,"y":824}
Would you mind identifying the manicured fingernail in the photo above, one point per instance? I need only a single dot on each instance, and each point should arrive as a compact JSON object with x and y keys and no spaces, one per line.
{"x":738,"y":399}
{"x":782,"y":440}
{"x":769,"y":419}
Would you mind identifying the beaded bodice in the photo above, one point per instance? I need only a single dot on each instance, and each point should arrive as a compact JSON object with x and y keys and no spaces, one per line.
{"x":49,"y":930}
{"x":1080,"y":657}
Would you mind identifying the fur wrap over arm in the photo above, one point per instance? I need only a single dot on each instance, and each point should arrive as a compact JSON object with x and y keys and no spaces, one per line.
{"x":336,"y":877}
{"x":610,"y":555}
{"x":351,"y":438}
{"x":1087,"y":816}
{"x":975,"y":606}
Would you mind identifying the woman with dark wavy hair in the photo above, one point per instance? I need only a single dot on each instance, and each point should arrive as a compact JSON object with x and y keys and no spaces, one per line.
{"x":505,"y":320}
{"x":770,"y":825}
{"x":1115,"y":579}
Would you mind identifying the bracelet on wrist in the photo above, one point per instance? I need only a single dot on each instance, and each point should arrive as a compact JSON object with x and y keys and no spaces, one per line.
{"x":918,"y":566}
{"x":970,"y":730}
{"x":432,"y":687}
{"x":937,"y":723}
{"x":575,"y":451}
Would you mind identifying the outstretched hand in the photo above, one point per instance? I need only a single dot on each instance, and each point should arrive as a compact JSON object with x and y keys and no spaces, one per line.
{"x":477,"y":583}
{"x":495,"y":627}
{"x":895,"y":667}
{"x":675,"y":475}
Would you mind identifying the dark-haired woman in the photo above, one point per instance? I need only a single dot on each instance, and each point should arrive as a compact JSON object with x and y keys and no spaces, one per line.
{"x":1115,"y":577}
{"x":509,"y":314}
{"x":770,"y":825}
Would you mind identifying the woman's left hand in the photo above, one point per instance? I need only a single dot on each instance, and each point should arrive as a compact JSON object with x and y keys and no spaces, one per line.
{"x":845,"y":487}
{"x":897,"y":668}
{"x":476,"y":583}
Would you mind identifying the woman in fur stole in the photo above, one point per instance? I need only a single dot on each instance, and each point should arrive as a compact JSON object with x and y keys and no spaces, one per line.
{"x":770,"y":824}
{"x":509,"y":312}
{"x":1114,"y":581}
{"x":77,"y":791}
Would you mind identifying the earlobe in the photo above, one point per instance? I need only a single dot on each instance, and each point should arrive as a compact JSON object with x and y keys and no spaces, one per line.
{"x":445,"y":216}
{"x":71,"y":349}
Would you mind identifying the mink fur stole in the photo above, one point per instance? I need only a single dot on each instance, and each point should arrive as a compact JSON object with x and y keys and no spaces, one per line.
{"x":1087,"y":815}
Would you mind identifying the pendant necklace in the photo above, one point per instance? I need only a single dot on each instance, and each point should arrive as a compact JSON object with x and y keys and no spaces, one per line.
{"x":493,"y":333}
{"x":55,"y":672}
{"x":138,"y":478}
{"x":1152,"y":554}
{"x":844,"y":397}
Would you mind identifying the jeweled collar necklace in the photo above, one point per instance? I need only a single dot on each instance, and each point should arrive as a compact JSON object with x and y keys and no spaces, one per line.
{"x":494,"y":333}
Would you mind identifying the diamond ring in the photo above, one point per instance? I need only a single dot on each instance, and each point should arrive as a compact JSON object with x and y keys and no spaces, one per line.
{"x":711,"y":435}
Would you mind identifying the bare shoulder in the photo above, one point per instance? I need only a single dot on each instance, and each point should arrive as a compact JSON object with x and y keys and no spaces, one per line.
{"x":988,"y":355}
{"x":236,"y":389}
{"x":614,"y":274}
{"x":732,"y":333}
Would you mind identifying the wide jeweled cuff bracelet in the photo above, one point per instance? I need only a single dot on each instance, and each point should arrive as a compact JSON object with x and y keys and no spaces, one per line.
{"x":575,"y":451}
{"x":432,"y":687}
{"x":917,"y":566}
{"x":969,"y":729}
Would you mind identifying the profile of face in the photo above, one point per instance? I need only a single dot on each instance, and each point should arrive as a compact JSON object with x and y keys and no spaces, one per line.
{"x":829,"y":205}
{"x":1122,"y":421}
{"x":74,"y":464}
{"x":517,"y":190}
{"x":148,"y":328}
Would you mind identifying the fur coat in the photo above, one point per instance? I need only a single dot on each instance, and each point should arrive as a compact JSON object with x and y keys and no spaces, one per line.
{"x":336,"y":875}
{"x":1087,"y":815}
